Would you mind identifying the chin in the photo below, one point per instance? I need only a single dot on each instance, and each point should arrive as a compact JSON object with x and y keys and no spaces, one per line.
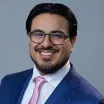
{"x":48,"y":66}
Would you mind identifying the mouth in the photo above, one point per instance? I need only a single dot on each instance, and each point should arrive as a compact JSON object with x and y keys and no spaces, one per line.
{"x":46,"y":54}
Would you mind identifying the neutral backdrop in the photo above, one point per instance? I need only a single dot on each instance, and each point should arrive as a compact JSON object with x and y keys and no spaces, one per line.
{"x":88,"y":55}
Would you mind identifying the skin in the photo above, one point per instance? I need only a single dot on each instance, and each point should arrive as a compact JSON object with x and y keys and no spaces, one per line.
{"x":47,"y":64}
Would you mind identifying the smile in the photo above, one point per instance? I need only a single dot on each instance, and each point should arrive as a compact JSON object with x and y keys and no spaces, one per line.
{"x":46,"y":53}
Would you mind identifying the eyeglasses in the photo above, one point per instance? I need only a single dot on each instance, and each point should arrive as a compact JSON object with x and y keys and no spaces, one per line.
{"x":56,"y":37}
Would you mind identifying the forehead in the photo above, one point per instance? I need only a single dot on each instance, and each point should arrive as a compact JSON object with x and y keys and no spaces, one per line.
{"x":49,"y":22}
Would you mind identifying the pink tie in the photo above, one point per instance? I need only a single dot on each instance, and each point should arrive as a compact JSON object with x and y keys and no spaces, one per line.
{"x":39,"y":81}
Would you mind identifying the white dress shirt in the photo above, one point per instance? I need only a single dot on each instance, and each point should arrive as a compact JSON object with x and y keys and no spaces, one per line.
{"x":52,"y":82}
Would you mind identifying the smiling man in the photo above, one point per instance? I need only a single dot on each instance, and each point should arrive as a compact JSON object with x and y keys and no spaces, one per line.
{"x":52,"y":31}
{"x":50,"y":45}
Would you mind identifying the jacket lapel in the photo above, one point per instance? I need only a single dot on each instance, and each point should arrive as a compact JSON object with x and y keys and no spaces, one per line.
{"x":29,"y":75}
{"x":66,"y":91}
{"x":19,"y":86}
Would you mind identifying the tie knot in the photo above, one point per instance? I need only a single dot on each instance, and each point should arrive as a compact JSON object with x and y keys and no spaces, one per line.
{"x":39,"y":80}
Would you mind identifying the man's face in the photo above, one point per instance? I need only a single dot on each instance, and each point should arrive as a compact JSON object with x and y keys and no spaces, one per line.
{"x":47,"y":56}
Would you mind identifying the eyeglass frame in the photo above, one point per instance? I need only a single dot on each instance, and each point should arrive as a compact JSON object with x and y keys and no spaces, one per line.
{"x":64,"y":34}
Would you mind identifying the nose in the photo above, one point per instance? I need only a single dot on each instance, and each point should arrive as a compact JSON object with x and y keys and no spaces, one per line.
{"x":47,"y":42}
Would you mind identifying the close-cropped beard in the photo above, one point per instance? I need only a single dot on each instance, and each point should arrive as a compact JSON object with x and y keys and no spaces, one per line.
{"x":49,"y":68}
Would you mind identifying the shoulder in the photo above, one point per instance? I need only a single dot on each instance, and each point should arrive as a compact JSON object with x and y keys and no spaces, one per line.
{"x":82,"y":89}
{"x":12,"y":84}
{"x":15,"y":76}
{"x":88,"y":92}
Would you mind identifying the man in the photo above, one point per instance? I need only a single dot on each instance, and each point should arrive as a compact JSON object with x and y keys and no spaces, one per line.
{"x":52,"y":32}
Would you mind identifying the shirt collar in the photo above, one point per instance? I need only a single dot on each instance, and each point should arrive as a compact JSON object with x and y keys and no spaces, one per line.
{"x":55,"y":78}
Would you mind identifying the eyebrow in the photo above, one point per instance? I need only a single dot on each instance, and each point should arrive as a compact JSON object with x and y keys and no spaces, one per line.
{"x":53,"y":31}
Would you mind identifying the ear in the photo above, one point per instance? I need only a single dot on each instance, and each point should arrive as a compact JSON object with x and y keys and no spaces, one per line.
{"x":28,"y":35}
{"x":73,"y":40}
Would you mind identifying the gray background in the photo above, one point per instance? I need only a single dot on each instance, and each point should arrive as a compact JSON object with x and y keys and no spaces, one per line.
{"x":88,"y":53}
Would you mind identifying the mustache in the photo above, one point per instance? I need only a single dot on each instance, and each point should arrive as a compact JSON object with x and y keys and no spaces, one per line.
{"x":47,"y":49}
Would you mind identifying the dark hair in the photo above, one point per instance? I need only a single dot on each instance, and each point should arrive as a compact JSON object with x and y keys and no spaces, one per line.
{"x":53,"y":8}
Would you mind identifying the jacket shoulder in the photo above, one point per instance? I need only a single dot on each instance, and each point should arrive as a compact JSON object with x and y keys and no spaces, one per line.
{"x":12,"y":84}
{"x":88,"y":92}
{"x":16,"y":76}
{"x":83,"y":90}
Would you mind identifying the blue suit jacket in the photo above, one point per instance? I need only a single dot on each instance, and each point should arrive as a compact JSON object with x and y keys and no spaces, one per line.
{"x":73,"y":89}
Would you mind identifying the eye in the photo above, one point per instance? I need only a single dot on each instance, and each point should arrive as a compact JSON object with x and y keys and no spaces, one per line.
{"x":38,"y":34}
{"x":57,"y":35}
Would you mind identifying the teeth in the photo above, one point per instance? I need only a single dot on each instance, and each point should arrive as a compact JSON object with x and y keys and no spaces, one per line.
{"x":46,"y":53}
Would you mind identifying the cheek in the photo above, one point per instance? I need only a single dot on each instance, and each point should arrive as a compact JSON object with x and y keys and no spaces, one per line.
{"x":32,"y":48}
{"x":63,"y":52}
{"x":66,"y":49}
